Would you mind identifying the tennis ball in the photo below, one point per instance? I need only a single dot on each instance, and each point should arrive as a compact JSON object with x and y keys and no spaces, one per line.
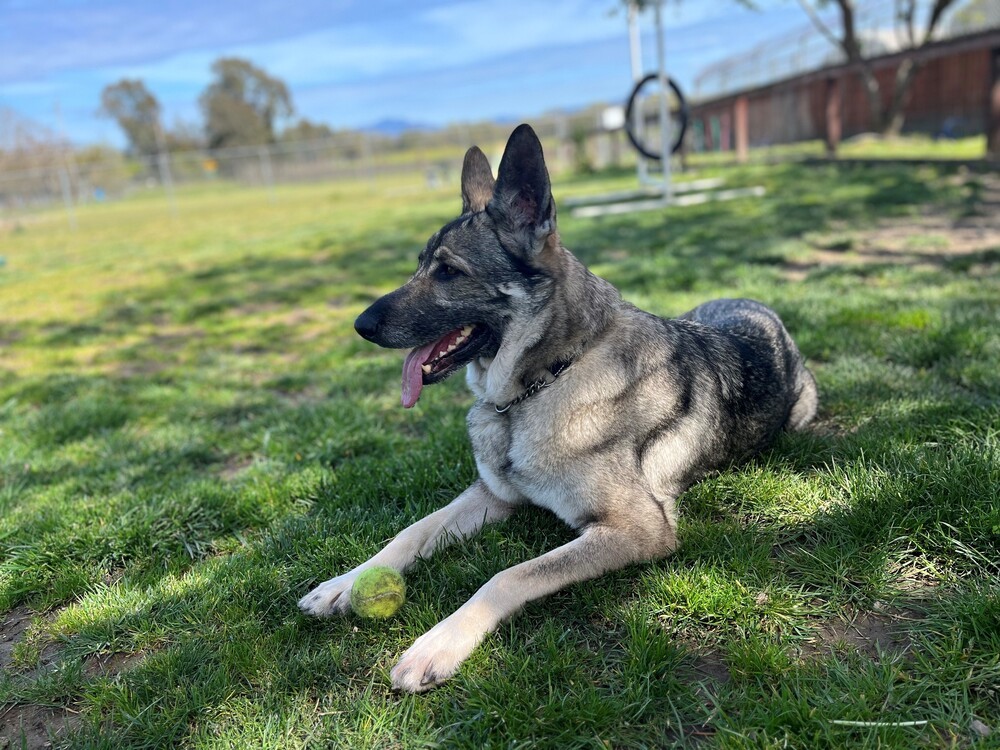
{"x":378,"y":592}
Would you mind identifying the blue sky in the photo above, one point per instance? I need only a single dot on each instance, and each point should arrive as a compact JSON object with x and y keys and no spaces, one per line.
{"x":351,"y":63}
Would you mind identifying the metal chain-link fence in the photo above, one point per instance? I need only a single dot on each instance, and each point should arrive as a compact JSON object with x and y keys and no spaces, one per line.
{"x":55,"y":173}
{"x":879,"y":29}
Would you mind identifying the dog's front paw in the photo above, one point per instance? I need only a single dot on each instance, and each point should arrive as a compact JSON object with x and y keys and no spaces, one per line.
{"x":435,"y":656}
{"x":331,"y":597}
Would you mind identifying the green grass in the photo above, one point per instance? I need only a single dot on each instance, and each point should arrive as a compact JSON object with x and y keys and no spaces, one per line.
{"x":867,"y":146}
{"x":191,"y":436}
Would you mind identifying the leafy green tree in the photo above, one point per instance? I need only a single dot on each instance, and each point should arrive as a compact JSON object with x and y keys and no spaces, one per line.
{"x":184,"y":135}
{"x":304,"y":130}
{"x":973,"y":16}
{"x":137,"y":112}
{"x":242,"y":104}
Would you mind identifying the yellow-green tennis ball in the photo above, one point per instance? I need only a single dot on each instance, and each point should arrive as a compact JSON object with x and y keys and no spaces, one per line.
{"x":378,"y":592}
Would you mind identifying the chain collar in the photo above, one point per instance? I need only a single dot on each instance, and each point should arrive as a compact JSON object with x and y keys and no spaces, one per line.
{"x":557,"y":369}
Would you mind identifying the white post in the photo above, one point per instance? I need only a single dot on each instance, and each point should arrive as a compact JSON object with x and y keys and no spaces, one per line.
{"x":635,"y":49}
{"x":266,"y":172}
{"x":65,"y":155}
{"x":665,"y":139}
{"x":163,"y":162}
{"x":367,"y":159}
{"x":67,"y":194}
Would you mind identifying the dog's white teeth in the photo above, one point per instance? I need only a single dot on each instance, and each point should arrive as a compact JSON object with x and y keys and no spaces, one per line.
{"x":462,"y":337}
{"x":426,"y":368}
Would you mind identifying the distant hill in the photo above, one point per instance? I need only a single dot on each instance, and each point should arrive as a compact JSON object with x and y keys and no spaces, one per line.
{"x":509,"y":119}
{"x":394,"y":127}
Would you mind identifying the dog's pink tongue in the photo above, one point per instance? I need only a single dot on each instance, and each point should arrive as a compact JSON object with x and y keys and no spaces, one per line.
{"x":413,"y":376}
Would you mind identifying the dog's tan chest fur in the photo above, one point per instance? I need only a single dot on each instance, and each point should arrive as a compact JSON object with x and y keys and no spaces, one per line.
{"x":528,"y":456}
{"x":554,"y":449}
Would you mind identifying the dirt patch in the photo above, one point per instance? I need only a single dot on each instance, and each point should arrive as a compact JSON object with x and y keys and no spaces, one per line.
{"x":139,"y":369}
{"x":867,"y":633}
{"x":16,"y":627}
{"x":710,"y":668}
{"x":308,"y":395}
{"x":110,"y":665}
{"x":35,"y":727}
{"x":254,"y":309}
{"x":47,"y":657}
{"x":710,"y":674}
{"x":151,"y":355}
{"x":17,"y":225}
{"x":12,"y":630}
{"x":828,"y":426}
{"x":32,"y":726}
{"x":290,"y":393}
{"x":9,"y":336}
{"x":234,"y":466}
{"x":298,"y":317}
{"x":928,"y":241}
{"x":176,"y":338}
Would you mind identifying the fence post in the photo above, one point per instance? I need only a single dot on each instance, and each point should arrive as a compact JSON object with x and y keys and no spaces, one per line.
{"x":163,"y":162}
{"x":367,"y":158}
{"x":993,"y":107}
{"x":67,"y":194}
{"x":833,"y":116}
{"x":741,"y":127}
{"x":266,"y":172}
{"x":635,"y":62}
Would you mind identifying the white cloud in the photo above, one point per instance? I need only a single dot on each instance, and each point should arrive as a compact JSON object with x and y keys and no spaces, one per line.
{"x":28,"y":88}
{"x":485,"y":26}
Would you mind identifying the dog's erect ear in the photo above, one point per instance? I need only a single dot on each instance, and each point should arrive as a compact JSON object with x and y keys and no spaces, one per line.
{"x":522,"y":199}
{"x":477,"y":181}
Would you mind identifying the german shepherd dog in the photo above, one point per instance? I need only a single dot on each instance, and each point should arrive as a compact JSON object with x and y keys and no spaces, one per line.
{"x":585,"y":405}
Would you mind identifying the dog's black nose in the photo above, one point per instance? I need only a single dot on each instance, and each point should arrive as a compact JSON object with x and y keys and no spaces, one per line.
{"x":368,"y":324}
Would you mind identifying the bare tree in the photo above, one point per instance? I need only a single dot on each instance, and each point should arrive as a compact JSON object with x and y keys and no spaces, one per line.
{"x":28,"y":152}
{"x":886,"y":117}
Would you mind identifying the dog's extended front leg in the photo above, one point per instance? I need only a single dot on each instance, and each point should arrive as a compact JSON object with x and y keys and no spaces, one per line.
{"x":437,"y":654}
{"x":461,"y":518}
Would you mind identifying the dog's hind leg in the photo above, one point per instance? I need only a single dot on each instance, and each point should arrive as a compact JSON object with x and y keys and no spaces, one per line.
{"x":437,"y":654}
{"x":461,"y":518}
{"x":806,"y":401}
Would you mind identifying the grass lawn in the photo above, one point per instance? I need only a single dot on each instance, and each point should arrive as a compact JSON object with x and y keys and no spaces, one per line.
{"x":865,"y":146}
{"x":191,"y":436}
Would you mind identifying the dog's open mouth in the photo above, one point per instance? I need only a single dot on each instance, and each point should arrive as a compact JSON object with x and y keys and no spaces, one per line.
{"x":437,"y":360}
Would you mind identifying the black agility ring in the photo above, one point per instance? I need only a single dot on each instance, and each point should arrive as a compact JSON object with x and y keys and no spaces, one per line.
{"x":681,"y":114}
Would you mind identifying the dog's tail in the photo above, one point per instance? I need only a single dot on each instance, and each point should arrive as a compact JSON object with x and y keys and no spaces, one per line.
{"x":806,"y":400}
